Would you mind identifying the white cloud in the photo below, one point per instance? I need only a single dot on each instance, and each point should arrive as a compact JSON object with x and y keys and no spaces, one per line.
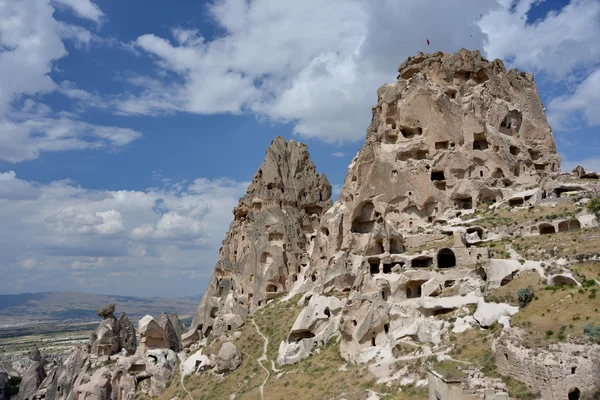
{"x":338,"y":154}
{"x":31,"y":40}
{"x":584,"y":102}
{"x":318,"y":64}
{"x":83,"y":8}
{"x":557,"y":45}
{"x":59,"y":228}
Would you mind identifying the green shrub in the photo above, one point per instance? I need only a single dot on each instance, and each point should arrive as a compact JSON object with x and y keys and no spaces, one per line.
{"x":525,"y":296}
{"x":594,"y":205}
{"x":591,"y":331}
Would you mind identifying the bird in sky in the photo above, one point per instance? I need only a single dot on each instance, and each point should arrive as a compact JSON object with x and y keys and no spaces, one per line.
{"x":428,"y":42}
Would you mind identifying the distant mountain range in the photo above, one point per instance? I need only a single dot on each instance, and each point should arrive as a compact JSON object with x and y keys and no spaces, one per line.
{"x":26,"y":308}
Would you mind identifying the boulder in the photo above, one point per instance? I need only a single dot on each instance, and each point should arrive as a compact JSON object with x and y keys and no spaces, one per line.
{"x":106,"y":311}
{"x":228,"y":358}
{"x":189,"y":338}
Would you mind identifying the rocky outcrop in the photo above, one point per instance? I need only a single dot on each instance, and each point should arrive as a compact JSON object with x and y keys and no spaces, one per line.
{"x":60,"y":383}
{"x":315,"y":326}
{"x":152,"y":336}
{"x":127,"y":337}
{"x":33,"y":377}
{"x":177,"y":325}
{"x":107,"y":335}
{"x":173,"y":338}
{"x":5,"y":384}
{"x":266,"y":248}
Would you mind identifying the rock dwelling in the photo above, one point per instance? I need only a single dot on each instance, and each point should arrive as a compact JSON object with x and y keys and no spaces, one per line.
{"x":401,"y":249}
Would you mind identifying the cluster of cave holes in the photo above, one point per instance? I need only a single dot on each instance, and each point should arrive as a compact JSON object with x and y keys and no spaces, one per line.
{"x":386,"y":268}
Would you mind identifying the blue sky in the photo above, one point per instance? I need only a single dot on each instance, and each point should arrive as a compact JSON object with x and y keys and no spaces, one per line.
{"x":129,"y":129}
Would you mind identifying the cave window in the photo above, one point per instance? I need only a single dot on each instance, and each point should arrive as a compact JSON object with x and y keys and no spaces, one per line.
{"x":422,"y":262}
{"x":442,"y":145}
{"x":228,"y":327}
{"x":517,"y":201}
{"x":272,"y":289}
{"x":480,"y":141}
{"x":327,"y":312}
{"x":313,"y":277}
{"x":546,"y":229}
{"x":374,"y":268}
{"x":390,"y":123}
{"x":446,"y":259}
{"x":421,"y":154}
{"x":465,"y":203}
{"x":481,"y":173}
{"x":451,"y":93}
{"x":365,"y":220}
{"x":383,"y":295}
{"x":354,"y":322}
{"x":514,"y":150}
{"x":574,"y":394}
{"x":386,"y":328}
{"x":213,"y":312}
{"x":295,"y":278}
{"x":563,"y":226}
{"x":373,"y":342}
{"x":259,"y":303}
{"x":437,"y":176}
{"x":387,"y":268}
{"x":573,"y":370}
{"x":299,"y":269}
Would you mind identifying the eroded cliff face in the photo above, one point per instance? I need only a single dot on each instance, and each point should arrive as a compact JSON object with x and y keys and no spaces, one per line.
{"x":454,"y":133}
{"x":268,"y":242}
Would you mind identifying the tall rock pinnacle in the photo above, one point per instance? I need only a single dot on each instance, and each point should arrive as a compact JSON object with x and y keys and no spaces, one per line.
{"x":267,"y":242}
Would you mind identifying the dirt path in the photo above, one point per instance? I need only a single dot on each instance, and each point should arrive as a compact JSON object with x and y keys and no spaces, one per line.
{"x":262,"y":358}
{"x":181,"y":361}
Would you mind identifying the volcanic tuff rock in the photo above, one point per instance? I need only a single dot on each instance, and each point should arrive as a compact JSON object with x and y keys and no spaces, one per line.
{"x":267,"y":244}
{"x":5,"y":384}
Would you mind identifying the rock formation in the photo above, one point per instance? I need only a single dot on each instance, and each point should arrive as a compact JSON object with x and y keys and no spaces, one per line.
{"x":173,"y":338}
{"x":454,"y":135}
{"x":107,"y":335}
{"x":404,"y":255}
{"x":265,"y":251}
{"x":5,"y":384}
{"x":127,"y":338}
{"x":152,"y":336}
{"x":33,"y":377}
